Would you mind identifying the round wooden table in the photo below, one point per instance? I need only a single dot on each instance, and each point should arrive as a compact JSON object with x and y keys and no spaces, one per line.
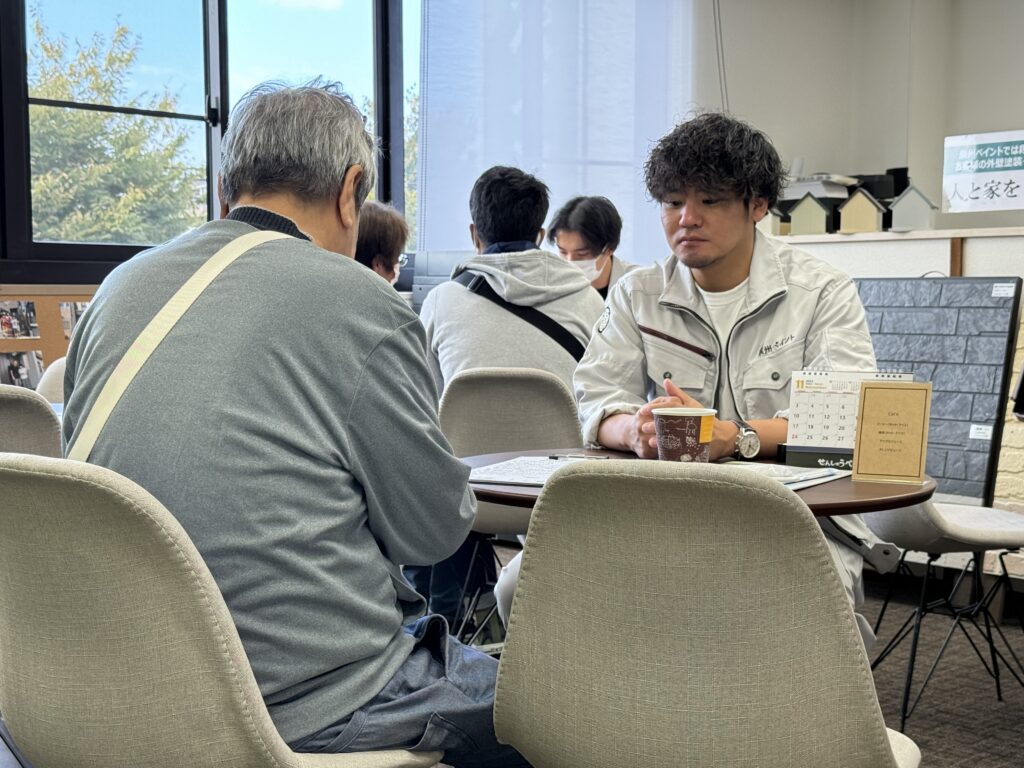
{"x":837,"y":497}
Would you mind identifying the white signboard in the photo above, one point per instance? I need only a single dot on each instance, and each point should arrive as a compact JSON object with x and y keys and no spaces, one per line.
{"x":983,"y":172}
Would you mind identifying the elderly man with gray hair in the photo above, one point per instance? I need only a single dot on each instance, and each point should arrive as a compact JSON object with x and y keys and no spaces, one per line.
{"x":276,"y":443}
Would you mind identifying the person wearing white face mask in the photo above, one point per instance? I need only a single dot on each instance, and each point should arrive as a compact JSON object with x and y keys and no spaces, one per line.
{"x":586,"y":232}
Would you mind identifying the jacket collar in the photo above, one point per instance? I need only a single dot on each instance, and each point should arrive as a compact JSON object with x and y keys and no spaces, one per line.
{"x":766,"y":278}
{"x":261,"y":218}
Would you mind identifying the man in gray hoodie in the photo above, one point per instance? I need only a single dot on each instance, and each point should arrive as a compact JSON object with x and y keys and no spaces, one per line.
{"x":468,"y":330}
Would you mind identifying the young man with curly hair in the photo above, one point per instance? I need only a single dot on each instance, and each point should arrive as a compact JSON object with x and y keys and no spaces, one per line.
{"x":725,"y":319}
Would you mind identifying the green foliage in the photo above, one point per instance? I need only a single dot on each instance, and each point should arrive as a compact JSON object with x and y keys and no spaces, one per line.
{"x":411,"y":143}
{"x":104,"y":176}
{"x":412,"y":134}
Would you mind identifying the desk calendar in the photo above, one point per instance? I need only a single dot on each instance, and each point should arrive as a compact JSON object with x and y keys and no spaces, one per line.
{"x":823,"y":406}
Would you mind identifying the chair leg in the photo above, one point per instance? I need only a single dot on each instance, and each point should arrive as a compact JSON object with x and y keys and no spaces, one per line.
{"x":977,"y":597}
{"x":486,"y":582}
{"x":962,"y":618}
{"x":1008,"y":586}
{"x":918,"y":617}
{"x":462,"y":612}
{"x":891,"y":579}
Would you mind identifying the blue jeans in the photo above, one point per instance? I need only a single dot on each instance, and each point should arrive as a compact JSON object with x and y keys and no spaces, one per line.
{"x":441,"y":699}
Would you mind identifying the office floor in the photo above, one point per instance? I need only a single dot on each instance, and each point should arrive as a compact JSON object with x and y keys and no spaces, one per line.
{"x":958,"y":722}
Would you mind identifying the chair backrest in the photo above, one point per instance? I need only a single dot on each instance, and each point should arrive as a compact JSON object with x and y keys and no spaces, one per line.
{"x":116,"y":647}
{"x":959,"y":333}
{"x":492,"y":410}
{"x":51,"y":383}
{"x":27,"y":423}
{"x":682,"y":615}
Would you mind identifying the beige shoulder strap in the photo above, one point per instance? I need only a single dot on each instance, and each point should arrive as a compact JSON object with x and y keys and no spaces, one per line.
{"x":147,"y":341}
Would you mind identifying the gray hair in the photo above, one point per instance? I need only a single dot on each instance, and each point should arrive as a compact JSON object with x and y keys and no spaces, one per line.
{"x":300,"y":140}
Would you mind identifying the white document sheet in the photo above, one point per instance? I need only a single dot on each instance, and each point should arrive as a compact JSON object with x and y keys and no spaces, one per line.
{"x":523,"y":470}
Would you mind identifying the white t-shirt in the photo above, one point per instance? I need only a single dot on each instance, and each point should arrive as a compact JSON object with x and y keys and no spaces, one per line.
{"x":724,"y":308}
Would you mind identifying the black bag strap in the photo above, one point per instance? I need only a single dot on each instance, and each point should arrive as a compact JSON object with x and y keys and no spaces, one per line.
{"x":477,"y":283}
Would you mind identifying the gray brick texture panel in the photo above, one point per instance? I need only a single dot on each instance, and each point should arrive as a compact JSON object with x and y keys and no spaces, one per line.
{"x":925,"y":349}
{"x":973,"y":293}
{"x":974,"y":321}
{"x":965,"y":378}
{"x":919,"y":321}
{"x":985,"y":409}
{"x":919,"y":292}
{"x":957,"y":405}
{"x":954,"y":333}
{"x":990,"y":350}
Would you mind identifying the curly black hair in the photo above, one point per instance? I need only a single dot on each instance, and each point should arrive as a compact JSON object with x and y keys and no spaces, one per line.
{"x":714,"y":152}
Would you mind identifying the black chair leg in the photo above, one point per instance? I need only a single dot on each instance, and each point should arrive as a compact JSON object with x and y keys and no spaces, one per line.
{"x":963,"y":618}
{"x":891,"y":579}
{"x":918,"y":618}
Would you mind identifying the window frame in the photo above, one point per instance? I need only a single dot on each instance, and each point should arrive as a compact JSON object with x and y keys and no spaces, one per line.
{"x":25,"y":261}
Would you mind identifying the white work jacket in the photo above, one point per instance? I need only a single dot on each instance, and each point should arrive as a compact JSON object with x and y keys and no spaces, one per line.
{"x":800,"y":313}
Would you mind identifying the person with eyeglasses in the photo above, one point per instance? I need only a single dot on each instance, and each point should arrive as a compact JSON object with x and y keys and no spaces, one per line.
{"x":586,"y":232}
{"x":383,"y":233}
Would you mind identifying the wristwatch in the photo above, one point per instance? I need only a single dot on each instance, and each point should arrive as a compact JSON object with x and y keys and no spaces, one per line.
{"x":748,"y":444}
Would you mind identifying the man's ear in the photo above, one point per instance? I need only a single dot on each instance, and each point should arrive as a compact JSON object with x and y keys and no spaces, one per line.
{"x":220,"y":196}
{"x":540,"y":236}
{"x":758,"y":208}
{"x":348,"y":211}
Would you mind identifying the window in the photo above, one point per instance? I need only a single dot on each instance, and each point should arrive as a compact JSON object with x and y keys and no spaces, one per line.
{"x":105,"y":133}
{"x":297,"y":41}
{"x":117,"y":134}
{"x":411,"y":34}
{"x":113,"y":109}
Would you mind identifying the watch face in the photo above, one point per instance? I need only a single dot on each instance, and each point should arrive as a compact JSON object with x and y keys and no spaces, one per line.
{"x":749,"y":444}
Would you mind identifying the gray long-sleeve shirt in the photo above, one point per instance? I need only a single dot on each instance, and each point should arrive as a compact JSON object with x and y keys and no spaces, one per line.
{"x":289,"y":422}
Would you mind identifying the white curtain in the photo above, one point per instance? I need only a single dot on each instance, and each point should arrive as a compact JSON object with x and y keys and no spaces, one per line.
{"x":572,"y":91}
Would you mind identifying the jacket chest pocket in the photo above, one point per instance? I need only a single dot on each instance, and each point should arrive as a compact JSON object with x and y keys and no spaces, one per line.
{"x":688,"y":369}
{"x":766,"y":382}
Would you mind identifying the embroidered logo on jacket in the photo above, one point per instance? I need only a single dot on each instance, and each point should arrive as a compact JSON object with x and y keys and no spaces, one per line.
{"x":767,"y":349}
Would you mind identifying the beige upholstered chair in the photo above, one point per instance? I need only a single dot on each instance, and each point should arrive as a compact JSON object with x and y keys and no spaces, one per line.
{"x":671,"y":616}
{"x":51,"y":384}
{"x":116,"y":647}
{"x":27,"y":423}
{"x":492,"y":410}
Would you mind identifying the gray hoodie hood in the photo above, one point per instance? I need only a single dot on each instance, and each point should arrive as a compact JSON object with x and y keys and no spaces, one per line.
{"x":526,"y":278}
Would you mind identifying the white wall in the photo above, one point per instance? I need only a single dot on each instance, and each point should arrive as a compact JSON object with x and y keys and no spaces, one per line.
{"x":985,"y":90}
{"x":783,"y":65}
{"x":858,"y":87}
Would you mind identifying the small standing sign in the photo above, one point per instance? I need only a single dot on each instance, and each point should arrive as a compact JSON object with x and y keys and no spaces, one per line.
{"x":983,"y":172}
{"x":892,"y":431}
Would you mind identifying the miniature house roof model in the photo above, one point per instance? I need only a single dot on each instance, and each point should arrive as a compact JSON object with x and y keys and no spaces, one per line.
{"x":912,"y":210}
{"x":810,"y":216}
{"x":861,"y":213}
{"x":775,"y":222}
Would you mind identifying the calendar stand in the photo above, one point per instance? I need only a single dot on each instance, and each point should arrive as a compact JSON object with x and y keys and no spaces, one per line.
{"x":823,"y":416}
{"x":815,"y":456}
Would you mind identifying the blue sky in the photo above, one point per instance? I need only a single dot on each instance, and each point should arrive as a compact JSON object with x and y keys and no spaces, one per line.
{"x":292,"y":40}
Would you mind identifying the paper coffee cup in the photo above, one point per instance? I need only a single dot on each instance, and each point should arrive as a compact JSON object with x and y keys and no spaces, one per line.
{"x":684,"y":434}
